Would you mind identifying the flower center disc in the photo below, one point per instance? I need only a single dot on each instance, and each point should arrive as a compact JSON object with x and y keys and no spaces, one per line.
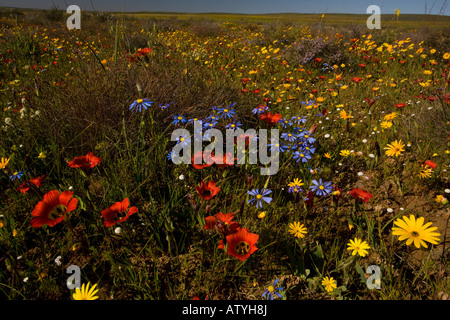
{"x":57,"y":212}
{"x":139,"y":100}
{"x":415,"y":234}
{"x":242,"y":248}
{"x":258,"y":196}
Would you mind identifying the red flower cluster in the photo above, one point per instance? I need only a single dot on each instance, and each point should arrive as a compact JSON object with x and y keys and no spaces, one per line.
{"x":270,"y":119}
{"x":240,"y":243}
{"x":207,"y":191}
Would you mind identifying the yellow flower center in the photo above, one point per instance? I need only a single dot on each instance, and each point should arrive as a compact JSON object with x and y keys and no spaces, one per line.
{"x":225,"y":110}
{"x":242,"y":248}
{"x":258,"y":196}
{"x":139,"y":100}
{"x":57,"y":212}
{"x":270,"y":289}
{"x":181,"y":139}
{"x":180,"y":118}
{"x":415,"y":234}
{"x":321,"y":187}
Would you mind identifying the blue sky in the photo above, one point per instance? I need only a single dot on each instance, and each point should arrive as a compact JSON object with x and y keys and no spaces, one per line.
{"x":238,"y":6}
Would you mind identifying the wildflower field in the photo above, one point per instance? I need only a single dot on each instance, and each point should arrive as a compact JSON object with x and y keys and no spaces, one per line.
{"x":358,"y":208}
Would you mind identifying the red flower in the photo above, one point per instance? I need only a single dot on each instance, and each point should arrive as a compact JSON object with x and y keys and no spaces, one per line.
{"x":361,"y":194}
{"x":25,"y":187}
{"x":356,"y":79}
{"x":85,"y":162}
{"x":242,"y":244}
{"x":207,"y":192}
{"x":118,"y":212}
{"x":362,"y":65}
{"x":430,"y":163}
{"x":270,"y":119}
{"x":53,"y":208}
{"x":400,"y":105}
{"x":227,"y":160}
{"x":202,"y":160}
{"x":222,"y":224}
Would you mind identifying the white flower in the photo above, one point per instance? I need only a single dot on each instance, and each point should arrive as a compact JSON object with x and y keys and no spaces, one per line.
{"x":8,"y":120}
{"x":364,"y":141}
{"x":19,"y":257}
{"x":447,"y":190}
{"x":371,"y":155}
{"x":25,"y":279}
{"x":118,"y":230}
{"x":360,"y":174}
{"x":181,"y":177}
{"x":390,"y":210}
{"x":70,"y":188}
{"x":327,"y":135}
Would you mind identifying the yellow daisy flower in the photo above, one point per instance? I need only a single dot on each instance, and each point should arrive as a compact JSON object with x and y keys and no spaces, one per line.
{"x":85,"y":293}
{"x":359,"y":247}
{"x":413,"y":230}
{"x":329,"y":283}
{"x":297,"y":229}
{"x":4,"y":162}
{"x":395,"y":148}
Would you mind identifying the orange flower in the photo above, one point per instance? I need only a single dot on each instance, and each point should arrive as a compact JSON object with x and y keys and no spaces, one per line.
{"x":207,"y":192}
{"x":53,"y":208}
{"x":242,"y":244}
{"x":202,"y":160}
{"x":118,"y":212}
{"x":85,"y":162}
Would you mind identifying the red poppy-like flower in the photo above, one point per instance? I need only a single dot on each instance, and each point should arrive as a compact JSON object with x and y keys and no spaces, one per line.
{"x":226,"y":160}
{"x":362,"y":65}
{"x":85,"y":162}
{"x":222,"y":223}
{"x":356,"y":79}
{"x":270,"y":119}
{"x":400,"y":105}
{"x":25,"y":187}
{"x":430,"y":163}
{"x":241,"y":244}
{"x":118,"y":212}
{"x":202,"y":159}
{"x":360,"y":194}
{"x":52,"y":209}
{"x":207,"y":191}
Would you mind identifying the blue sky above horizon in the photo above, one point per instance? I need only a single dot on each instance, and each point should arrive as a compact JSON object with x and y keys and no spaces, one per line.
{"x":240,"y":6}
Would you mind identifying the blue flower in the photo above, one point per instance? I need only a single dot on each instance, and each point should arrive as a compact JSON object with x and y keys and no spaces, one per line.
{"x":209,"y":125}
{"x":271,"y":290}
{"x":164,"y":106}
{"x":276,"y":147}
{"x":212,"y":118}
{"x":284,"y":122}
{"x":179,"y":118}
{"x":184,"y":140}
{"x":234,"y":125}
{"x":260,"y":109}
{"x":16,"y":175}
{"x":227,"y":112}
{"x":138,"y":104}
{"x":298,"y":120}
{"x":258,"y":197}
{"x":288,"y":136}
{"x":306,"y":136}
{"x":321,"y":188}
{"x":301,"y":156}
